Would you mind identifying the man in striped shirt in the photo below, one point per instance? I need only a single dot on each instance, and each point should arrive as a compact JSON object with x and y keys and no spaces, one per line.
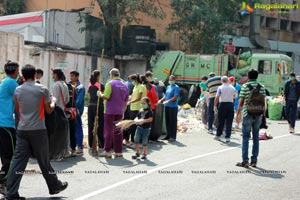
{"x":212,"y":86}
{"x":250,"y":123}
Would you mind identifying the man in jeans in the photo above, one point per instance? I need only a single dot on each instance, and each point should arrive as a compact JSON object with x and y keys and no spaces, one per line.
{"x":291,"y":94}
{"x":32,"y":138}
{"x":250,"y":123}
{"x":212,"y":85}
{"x":225,"y":97}
{"x":80,"y":94}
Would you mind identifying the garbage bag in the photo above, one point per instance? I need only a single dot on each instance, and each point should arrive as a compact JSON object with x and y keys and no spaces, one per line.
{"x":243,"y":80}
{"x":249,"y":60}
{"x":245,"y":55}
{"x":274,"y":110}
{"x":242,"y":63}
{"x":157,"y":124}
{"x":58,"y":133}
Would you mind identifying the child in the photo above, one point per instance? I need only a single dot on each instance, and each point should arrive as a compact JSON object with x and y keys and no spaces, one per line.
{"x":142,"y":133}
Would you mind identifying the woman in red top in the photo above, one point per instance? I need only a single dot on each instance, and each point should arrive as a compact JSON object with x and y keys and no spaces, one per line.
{"x":151,"y":89}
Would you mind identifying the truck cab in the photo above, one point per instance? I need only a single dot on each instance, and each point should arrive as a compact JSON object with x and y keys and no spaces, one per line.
{"x":273,"y":70}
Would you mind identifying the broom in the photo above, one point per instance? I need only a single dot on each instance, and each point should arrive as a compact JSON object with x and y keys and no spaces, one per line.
{"x":96,"y":125}
{"x":125,"y":124}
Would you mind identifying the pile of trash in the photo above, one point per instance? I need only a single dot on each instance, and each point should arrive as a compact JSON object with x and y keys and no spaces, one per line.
{"x":188,"y":119}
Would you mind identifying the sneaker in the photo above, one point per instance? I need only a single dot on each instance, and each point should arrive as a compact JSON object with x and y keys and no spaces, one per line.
{"x":253,"y":164}
{"x":79,"y":152}
{"x":100,"y":150}
{"x":68,"y":154}
{"x":144,"y":157}
{"x":292,"y":130}
{"x":136,"y":156}
{"x":105,"y":154}
{"x":243,"y":164}
{"x":227,"y":140}
{"x":165,"y":138}
{"x":218,"y":138}
{"x":118,"y":155}
{"x":210,"y":131}
{"x":171,"y":140}
{"x":73,"y":153}
{"x":61,"y":188}
{"x":3,"y":188}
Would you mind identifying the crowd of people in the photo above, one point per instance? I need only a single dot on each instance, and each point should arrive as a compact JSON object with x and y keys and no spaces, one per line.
{"x":25,"y":103}
{"x":224,"y":102}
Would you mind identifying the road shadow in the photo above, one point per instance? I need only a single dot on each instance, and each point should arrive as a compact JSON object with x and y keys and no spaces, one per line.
{"x":63,"y":164}
{"x":119,"y":162}
{"x":47,"y":198}
{"x":155,"y":146}
{"x":177,"y":143}
{"x":67,"y":163}
{"x":147,"y":162}
{"x":258,"y":171}
{"x":230,"y":144}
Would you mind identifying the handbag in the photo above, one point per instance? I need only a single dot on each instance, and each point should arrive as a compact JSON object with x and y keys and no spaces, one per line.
{"x":71,"y":113}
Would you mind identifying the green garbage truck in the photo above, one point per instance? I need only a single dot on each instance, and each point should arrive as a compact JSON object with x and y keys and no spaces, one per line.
{"x":273,"y":70}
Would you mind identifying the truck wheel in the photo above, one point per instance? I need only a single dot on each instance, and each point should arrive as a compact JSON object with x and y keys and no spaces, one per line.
{"x":183,"y":96}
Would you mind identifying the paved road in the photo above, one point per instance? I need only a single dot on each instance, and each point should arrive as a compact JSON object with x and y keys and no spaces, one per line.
{"x":195,"y":167}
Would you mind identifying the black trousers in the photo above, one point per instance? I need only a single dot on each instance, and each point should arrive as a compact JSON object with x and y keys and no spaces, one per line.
{"x":7,"y":148}
{"x":35,"y":143}
{"x":225,"y":114}
{"x":129,"y":134}
{"x":91,"y":120}
{"x":171,"y":122}
{"x":72,"y":134}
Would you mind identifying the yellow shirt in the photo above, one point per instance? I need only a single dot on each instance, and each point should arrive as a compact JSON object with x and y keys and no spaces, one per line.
{"x":136,"y":90}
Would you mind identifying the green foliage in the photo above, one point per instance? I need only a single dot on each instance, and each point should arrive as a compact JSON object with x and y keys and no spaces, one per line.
{"x":13,"y":6}
{"x":116,"y":12}
{"x":201,"y":23}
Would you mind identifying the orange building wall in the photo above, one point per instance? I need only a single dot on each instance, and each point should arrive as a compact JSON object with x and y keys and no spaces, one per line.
{"x":159,"y":25}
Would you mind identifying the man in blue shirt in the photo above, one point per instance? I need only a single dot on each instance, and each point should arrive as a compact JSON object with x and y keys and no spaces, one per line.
{"x":80,"y":94}
{"x":7,"y":121}
{"x":171,"y":108}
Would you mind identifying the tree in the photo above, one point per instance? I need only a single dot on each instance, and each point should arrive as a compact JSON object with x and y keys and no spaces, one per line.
{"x":201,"y":23}
{"x":117,"y":12}
{"x":13,"y":7}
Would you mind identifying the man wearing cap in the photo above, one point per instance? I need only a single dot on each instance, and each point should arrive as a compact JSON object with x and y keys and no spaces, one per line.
{"x":224,"y":103}
{"x":116,"y":96}
{"x":212,"y":85}
{"x":7,"y":121}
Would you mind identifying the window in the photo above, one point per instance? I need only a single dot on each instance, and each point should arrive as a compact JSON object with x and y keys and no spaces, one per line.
{"x":265,"y":67}
{"x":284,"y":68}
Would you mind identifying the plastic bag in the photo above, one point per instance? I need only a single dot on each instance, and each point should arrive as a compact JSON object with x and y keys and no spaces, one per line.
{"x":245,"y":55}
{"x":274,"y":110}
{"x":242,"y":63}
